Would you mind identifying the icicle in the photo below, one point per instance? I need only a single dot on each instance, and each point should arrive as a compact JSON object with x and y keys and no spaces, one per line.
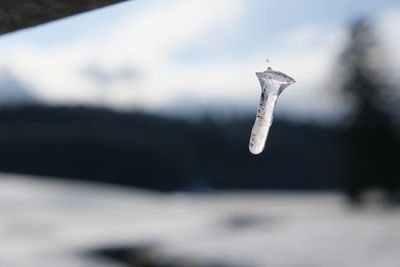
{"x":272,"y":85}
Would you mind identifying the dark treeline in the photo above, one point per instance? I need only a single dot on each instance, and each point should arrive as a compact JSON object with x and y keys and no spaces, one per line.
{"x":162,"y":153}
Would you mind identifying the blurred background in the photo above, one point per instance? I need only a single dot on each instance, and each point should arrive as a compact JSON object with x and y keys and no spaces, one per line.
{"x":124,"y":136}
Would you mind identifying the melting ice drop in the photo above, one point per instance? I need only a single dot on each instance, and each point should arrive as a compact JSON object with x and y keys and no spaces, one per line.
{"x":272,"y":85}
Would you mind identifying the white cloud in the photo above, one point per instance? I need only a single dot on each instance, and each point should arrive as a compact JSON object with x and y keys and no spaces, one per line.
{"x":147,"y":42}
{"x":303,"y":37}
{"x":389,"y":27}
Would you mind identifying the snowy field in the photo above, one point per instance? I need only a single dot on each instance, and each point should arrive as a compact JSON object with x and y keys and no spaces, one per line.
{"x":48,"y":223}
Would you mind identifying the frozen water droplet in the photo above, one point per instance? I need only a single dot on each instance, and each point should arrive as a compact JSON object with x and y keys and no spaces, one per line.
{"x":272,"y":85}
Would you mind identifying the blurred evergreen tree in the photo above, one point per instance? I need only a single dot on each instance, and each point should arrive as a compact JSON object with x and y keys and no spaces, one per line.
{"x":370,"y":139}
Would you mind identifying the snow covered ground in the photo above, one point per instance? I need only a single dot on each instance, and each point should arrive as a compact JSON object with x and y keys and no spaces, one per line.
{"x":48,"y":223}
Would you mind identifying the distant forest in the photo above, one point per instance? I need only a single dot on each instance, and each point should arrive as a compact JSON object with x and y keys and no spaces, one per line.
{"x":155,"y":152}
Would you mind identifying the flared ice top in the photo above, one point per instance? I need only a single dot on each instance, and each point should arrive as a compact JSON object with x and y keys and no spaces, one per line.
{"x":271,"y":75}
{"x":275,"y":75}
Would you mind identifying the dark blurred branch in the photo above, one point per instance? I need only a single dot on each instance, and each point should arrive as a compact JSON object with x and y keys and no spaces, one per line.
{"x":19,"y":14}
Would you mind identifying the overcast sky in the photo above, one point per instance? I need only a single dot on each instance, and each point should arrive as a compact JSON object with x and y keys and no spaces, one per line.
{"x":186,"y":56}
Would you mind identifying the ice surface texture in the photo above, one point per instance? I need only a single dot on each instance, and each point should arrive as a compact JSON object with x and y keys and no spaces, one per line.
{"x":272,"y":85}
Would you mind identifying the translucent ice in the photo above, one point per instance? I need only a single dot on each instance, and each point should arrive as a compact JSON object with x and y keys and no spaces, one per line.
{"x":272,"y":85}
